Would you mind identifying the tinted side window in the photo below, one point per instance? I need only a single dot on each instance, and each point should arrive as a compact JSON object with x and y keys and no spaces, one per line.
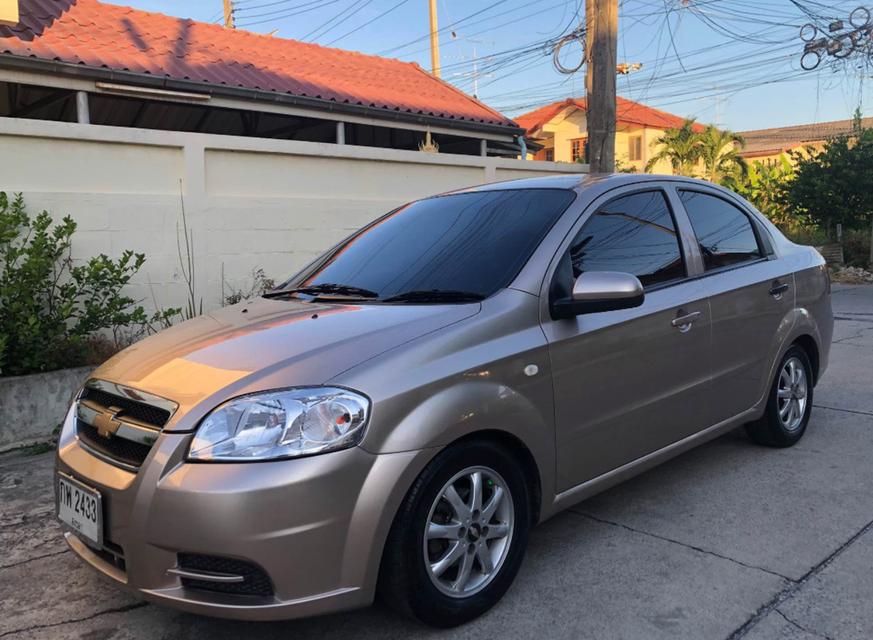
{"x":635,"y":234}
{"x":724,"y":232}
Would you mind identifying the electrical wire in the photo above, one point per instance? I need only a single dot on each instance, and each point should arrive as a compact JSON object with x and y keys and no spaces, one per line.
{"x":368,"y":22}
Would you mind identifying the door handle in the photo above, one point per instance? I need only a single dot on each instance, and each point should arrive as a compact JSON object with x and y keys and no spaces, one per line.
{"x":778,"y":289}
{"x":683,"y":322}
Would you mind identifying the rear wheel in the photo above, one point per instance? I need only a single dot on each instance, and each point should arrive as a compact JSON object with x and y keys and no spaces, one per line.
{"x":789,"y":405}
{"x":459,"y":537}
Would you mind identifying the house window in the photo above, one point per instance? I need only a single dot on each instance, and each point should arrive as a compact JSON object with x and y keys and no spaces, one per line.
{"x":550,"y":155}
{"x":579,"y":150}
{"x":635,"y":148}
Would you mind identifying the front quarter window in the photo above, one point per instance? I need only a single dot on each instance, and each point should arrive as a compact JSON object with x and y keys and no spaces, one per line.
{"x":470,"y":244}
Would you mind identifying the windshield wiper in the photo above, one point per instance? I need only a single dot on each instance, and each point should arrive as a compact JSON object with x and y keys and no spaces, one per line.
{"x":329,"y":288}
{"x":435,"y":295}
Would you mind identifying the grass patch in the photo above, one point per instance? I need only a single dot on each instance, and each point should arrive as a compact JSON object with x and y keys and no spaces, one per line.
{"x":36,"y":449}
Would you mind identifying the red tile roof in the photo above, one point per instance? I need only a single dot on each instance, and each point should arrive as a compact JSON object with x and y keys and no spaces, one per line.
{"x":761,"y":142}
{"x":626,"y":112}
{"x":97,"y":35}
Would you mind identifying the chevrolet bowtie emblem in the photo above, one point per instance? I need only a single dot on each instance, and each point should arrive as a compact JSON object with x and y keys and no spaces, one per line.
{"x":105,"y":422}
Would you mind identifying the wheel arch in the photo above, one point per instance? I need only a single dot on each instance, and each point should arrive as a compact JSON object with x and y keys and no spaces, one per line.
{"x":520,"y":452}
{"x":806,"y":342}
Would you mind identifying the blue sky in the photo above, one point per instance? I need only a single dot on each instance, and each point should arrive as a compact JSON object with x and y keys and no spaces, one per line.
{"x":732,"y":62}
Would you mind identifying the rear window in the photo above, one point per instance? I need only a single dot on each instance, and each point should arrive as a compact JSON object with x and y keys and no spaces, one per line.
{"x":475,"y":242}
{"x":723,"y":231}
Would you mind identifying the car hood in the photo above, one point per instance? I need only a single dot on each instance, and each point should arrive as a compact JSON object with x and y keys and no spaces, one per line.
{"x":267,"y":344}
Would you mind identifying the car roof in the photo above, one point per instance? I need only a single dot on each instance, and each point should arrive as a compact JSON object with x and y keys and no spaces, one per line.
{"x":582,"y":182}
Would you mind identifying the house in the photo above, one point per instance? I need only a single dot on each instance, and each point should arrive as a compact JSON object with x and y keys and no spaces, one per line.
{"x":767,"y":145}
{"x":561,"y":129}
{"x":258,"y":153}
{"x":152,"y":71}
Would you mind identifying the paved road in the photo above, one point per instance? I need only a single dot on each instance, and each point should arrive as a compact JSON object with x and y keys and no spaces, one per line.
{"x":728,"y":541}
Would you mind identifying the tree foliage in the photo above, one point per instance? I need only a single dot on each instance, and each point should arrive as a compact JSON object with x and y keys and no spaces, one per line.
{"x":835,"y":184}
{"x":679,"y":146}
{"x":50,"y":306}
{"x":719,"y":152}
{"x":712,"y":153}
{"x":764,"y":185}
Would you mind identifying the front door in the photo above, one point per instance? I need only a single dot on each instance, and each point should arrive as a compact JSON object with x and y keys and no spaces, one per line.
{"x":632,"y":381}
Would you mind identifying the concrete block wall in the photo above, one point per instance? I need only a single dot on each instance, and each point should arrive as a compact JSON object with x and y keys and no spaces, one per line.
{"x":250,"y":203}
{"x":31,"y":407}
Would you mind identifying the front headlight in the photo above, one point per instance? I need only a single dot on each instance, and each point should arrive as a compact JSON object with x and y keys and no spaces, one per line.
{"x":282,"y":424}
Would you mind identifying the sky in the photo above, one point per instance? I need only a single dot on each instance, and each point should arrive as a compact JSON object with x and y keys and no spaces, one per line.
{"x":735,"y":63}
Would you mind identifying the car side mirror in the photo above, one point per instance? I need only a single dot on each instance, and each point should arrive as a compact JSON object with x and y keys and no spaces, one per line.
{"x":596,"y":291}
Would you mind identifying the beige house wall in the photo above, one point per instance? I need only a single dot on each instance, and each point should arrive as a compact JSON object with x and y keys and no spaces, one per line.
{"x":650,"y":136}
{"x":572,"y":123}
{"x":776,"y":158}
{"x":250,"y":203}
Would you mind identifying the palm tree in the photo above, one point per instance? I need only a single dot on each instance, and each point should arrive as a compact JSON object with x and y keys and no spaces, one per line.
{"x":680,"y":146}
{"x":719,"y":150}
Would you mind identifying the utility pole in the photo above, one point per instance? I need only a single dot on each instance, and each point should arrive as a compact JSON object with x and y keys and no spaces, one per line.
{"x":601,"y":53}
{"x":228,"y":14}
{"x":434,"y":40}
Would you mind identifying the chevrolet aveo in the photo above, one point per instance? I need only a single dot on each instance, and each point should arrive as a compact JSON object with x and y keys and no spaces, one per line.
{"x":394,"y":418}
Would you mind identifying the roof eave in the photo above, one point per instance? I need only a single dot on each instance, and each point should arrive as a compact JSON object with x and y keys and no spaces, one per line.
{"x":12,"y":61}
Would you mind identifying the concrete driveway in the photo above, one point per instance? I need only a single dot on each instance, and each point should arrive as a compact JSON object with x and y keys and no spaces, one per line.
{"x":728,"y":541}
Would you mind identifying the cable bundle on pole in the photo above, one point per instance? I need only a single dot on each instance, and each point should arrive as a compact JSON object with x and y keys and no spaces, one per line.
{"x":578,"y":35}
{"x":837,"y":40}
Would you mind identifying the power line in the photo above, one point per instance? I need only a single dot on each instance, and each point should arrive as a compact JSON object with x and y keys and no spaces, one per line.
{"x":312,"y":5}
{"x":443,"y":29}
{"x":337,"y":20}
{"x":368,"y":22}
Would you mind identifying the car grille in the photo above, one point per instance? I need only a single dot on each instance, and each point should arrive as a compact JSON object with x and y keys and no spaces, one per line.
{"x":129,"y":453}
{"x":117,"y":448}
{"x":255,"y":583}
{"x":140,"y":411}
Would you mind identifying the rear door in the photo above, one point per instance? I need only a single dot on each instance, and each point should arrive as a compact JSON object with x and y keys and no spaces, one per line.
{"x":750,"y":296}
{"x":632,"y":381}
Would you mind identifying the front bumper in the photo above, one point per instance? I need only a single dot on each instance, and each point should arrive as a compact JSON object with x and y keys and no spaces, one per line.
{"x":316,"y":526}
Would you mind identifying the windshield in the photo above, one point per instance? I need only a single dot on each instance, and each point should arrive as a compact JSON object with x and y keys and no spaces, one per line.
{"x":467,"y":245}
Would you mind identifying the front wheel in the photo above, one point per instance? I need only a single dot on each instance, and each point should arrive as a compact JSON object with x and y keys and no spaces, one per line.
{"x":789,"y":405}
{"x":460,"y":535}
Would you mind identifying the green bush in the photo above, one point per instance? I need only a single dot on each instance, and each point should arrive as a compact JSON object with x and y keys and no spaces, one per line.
{"x":2,"y":352}
{"x":809,"y":235}
{"x":51,"y":309}
{"x":835,"y":185}
{"x":856,"y":248}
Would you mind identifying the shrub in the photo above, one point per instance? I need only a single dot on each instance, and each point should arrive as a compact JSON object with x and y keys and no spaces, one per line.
{"x":835,"y":185}
{"x":260,"y":285}
{"x":2,"y":352}
{"x":813,"y":236}
{"x":856,"y":248}
{"x":50,"y":308}
{"x":764,"y":185}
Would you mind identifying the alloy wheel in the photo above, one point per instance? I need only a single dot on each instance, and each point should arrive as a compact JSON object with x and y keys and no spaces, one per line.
{"x":469,"y":531}
{"x":791,"y":394}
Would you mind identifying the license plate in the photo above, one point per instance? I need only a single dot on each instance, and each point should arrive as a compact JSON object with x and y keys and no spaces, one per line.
{"x":81,"y":509}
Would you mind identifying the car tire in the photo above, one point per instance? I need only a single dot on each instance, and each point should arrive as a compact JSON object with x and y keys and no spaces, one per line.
{"x":441,"y":596}
{"x":789,"y":403}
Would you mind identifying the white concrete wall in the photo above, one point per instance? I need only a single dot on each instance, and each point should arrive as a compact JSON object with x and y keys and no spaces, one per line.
{"x":31,"y":407}
{"x":250,"y":203}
